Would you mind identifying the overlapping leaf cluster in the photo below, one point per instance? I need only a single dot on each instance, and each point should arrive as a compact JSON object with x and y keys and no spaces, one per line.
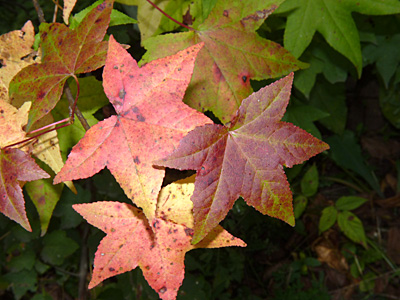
{"x":210,"y":67}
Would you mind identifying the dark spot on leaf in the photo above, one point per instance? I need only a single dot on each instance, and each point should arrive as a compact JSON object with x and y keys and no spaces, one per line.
{"x":42,"y":200}
{"x":168,"y":249}
{"x":136,"y":160}
{"x":117,"y":124}
{"x":179,"y":69}
{"x":116,"y":67}
{"x":140,"y":118}
{"x":162,"y":290}
{"x":152,"y":246}
{"x":41,"y":95}
{"x":113,"y":230}
{"x":189,"y":232}
{"x":155,"y":224}
{"x":2,"y":111}
{"x":121,"y":94}
{"x":101,"y":7}
{"x":226,"y":13}
{"x":120,"y":246}
{"x":130,"y":76}
{"x":147,"y":267}
{"x":217,"y":73}
{"x":111,"y":269}
{"x":98,"y":20}
{"x":244,"y":78}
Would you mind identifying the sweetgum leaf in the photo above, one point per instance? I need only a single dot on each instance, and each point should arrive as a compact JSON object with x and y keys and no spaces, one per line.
{"x":151,"y":119}
{"x":131,"y":242}
{"x":245,"y":159}
{"x":233,"y":54}
{"x":65,"y":52}
{"x":333,"y":20}
{"x":16,"y":166}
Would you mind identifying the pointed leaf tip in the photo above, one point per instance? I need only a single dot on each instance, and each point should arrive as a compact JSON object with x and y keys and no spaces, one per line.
{"x":151,"y":120}
{"x":245,"y":159}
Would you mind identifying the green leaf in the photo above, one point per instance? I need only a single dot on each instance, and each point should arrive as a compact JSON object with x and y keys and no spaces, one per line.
{"x":333,"y":20}
{"x":303,"y":115}
{"x":389,"y":100}
{"x":116,"y":18}
{"x":331,"y":98}
{"x":299,"y":205}
{"x":328,"y":218}
{"x":349,"y":202}
{"x":44,"y":195}
{"x":25,"y":260}
{"x":385,"y":55}
{"x":309,"y":182}
{"x":22,"y":282}
{"x":346,"y":152}
{"x":69,"y":218}
{"x":305,"y":79}
{"x":352,"y":227}
{"x":56,"y":247}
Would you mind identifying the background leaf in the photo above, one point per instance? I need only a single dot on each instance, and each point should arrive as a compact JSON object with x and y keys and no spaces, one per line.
{"x":352,"y":227}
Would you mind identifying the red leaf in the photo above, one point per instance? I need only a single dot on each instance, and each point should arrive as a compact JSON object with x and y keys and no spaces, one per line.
{"x":65,"y":52}
{"x":131,"y":242}
{"x":245,"y":159}
{"x":16,"y":166}
{"x":151,"y":119}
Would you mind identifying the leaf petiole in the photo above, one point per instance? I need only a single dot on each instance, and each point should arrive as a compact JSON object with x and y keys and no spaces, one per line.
{"x":169,"y":17}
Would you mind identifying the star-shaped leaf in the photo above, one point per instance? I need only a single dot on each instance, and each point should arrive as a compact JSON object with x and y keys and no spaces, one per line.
{"x":233,"y":54}
{"x":151,"y":120}
{"x":245,"y":159}
{"x":131,"y":242}
{"x":65,"y":52}
{"x":333,"y":20}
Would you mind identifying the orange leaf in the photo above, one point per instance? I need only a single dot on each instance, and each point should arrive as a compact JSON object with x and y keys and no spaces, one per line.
{"x":131,"y":242}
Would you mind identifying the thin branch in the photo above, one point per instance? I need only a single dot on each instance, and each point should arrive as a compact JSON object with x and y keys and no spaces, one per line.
{"x":55,"y":11}
{"x":39,"y":134}
{"x":73,"y":107}
{"x":39,"y":11}
{"x":169,"y":17}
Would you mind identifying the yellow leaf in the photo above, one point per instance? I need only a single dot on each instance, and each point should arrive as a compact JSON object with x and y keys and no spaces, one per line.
{"x":15,"y":54}
{"x":12,"y":121}
{"x":47,"y":149}
{"x":68,"y":7}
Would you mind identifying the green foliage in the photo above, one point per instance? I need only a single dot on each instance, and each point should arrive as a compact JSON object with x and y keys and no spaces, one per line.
{"x":348,"y":222}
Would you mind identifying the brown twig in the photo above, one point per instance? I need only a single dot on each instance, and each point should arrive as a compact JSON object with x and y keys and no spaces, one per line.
{"x":55,"y":11}
{"x":74,"y":108}
{"x":169,"y":17}
{"x":39,"y":11}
